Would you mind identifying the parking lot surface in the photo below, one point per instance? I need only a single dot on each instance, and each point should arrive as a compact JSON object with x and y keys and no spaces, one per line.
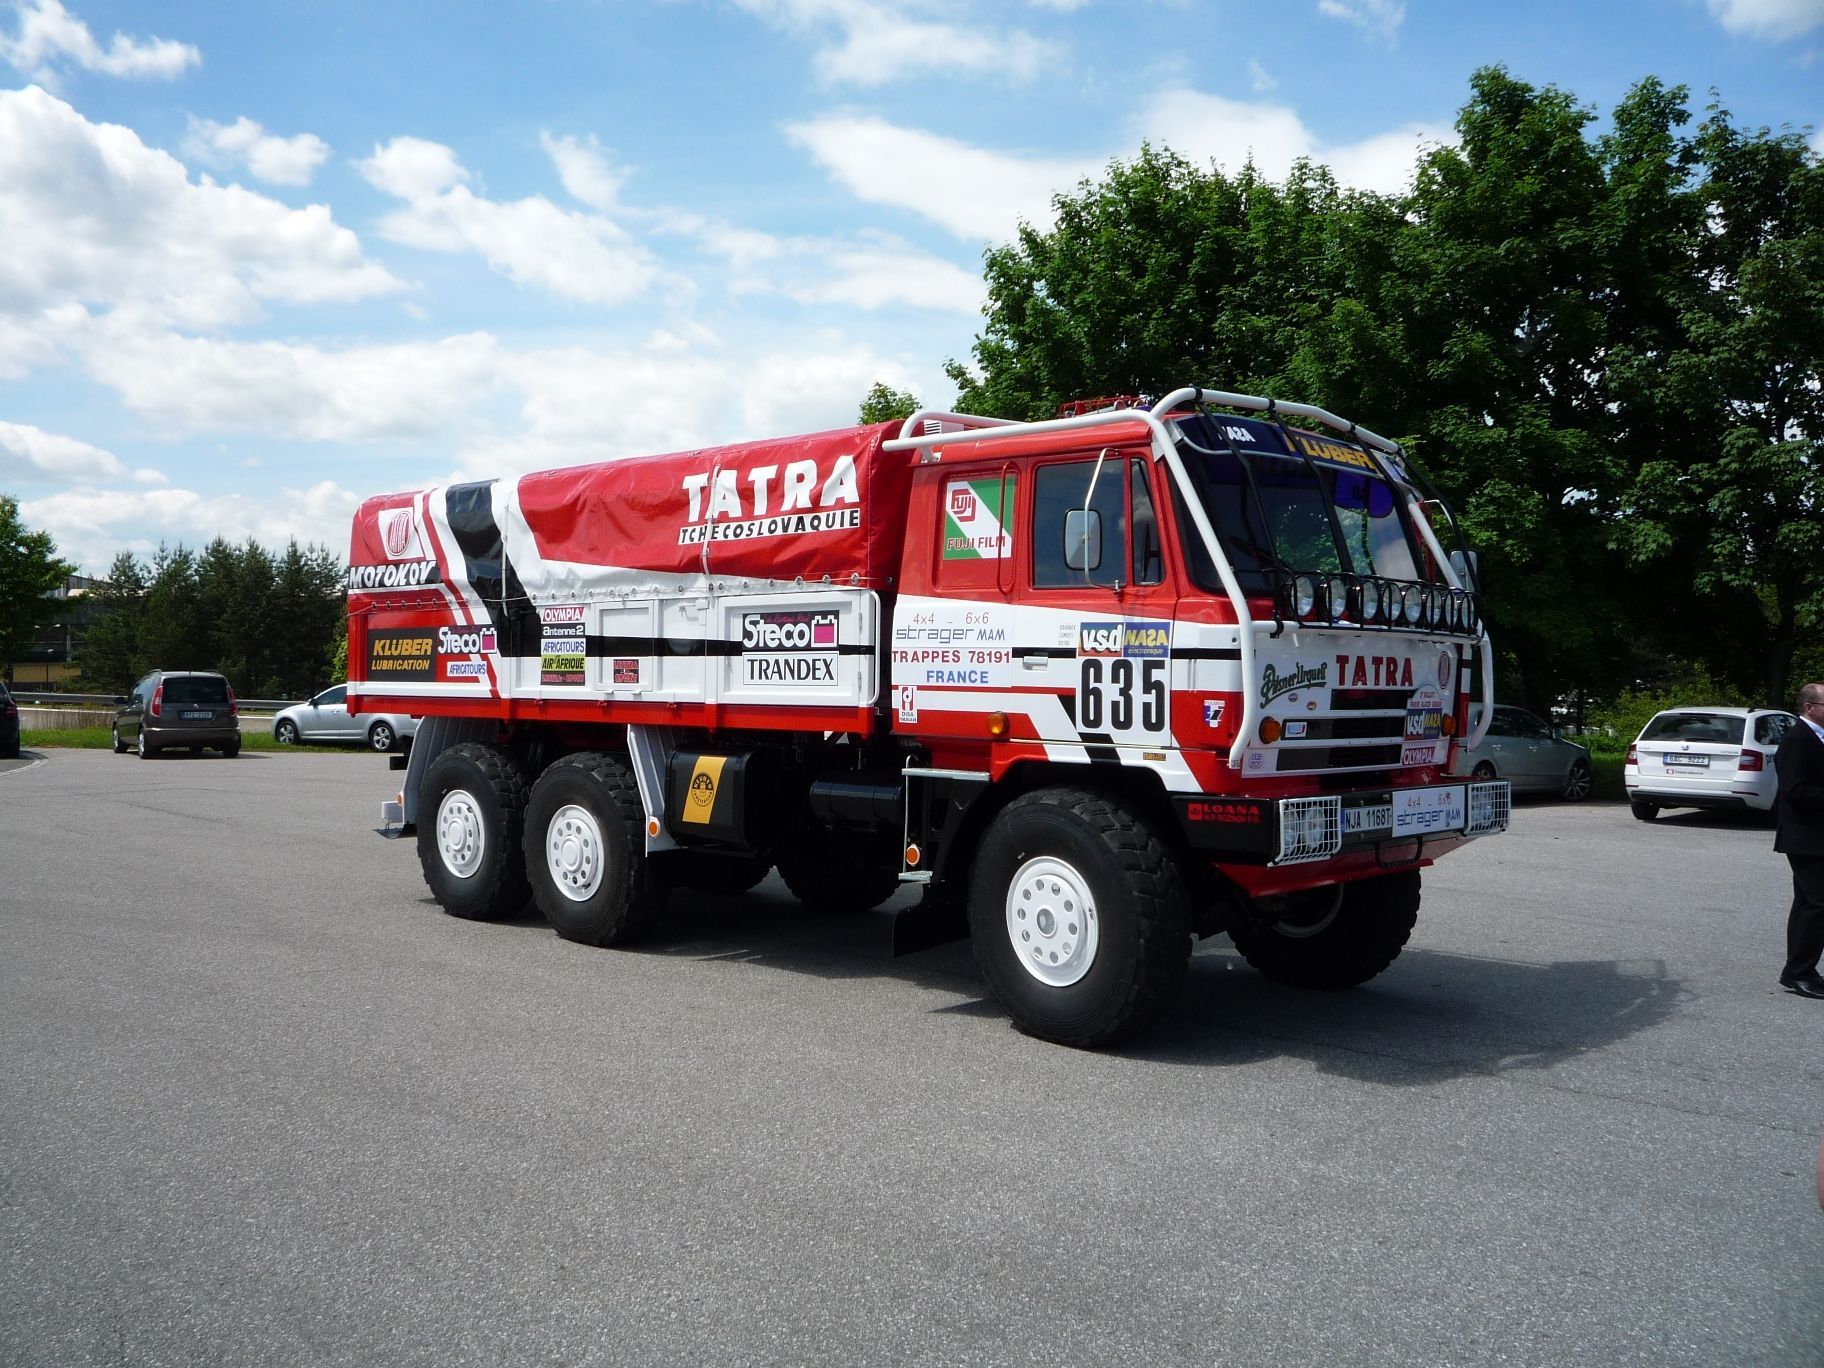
{"x":261,"y":1102}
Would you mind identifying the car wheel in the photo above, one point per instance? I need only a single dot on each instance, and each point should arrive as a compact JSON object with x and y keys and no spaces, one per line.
{"x":586,"y":852}
{"x":1578,"y":782}
{"x":1646,"y":812}
{"x":140,"y":747}
{"x":285,"y":732}
{"x":1483,"y":772}
{"x":120,"y":747}
{"x":1333,"y":937}
{"x":232,"y":749}
{"x":380,"y":736}
{"x":471,"y":810}
{"x":1079,"y":918}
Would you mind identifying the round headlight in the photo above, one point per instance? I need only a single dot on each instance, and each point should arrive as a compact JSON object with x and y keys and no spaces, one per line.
{"x":1338,"y":594}
{"x":1371,"y":600}
{"x":1304,"y":596}
{"x":1411,"y":602}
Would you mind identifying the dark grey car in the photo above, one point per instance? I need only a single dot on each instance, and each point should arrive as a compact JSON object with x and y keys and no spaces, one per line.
{"x":179,"y":709}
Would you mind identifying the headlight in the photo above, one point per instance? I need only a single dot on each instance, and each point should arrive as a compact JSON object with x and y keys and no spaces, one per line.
{"x":1371,"y":600}
{"x":1338,"y":593}
{"x":1411,"y":601}
{"x":1454,"y":612}
{"x":1304,"y":596}
{"x":1434,"y":608}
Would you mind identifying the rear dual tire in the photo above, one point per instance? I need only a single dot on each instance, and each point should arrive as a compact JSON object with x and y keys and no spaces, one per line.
{"x":471,"y":817}
{"x":585,"y":852}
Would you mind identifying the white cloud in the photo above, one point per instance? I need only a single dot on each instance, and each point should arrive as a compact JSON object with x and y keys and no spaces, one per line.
{"x":278,"y":161}
{"x":191,"y":384}
{"x":92,"y":217}
{"x":1770,"y":19}
{"x":1381,"y":18}
{"x":1259,"y":78}
{"x":585,"y":170}
{"x":1207,"y":127}
{"x":33,"y":453}
{"x":91,"y":525}
{"x":874,"y":42}
{"x":50,"y":38}
{"x":973,"y":192}
{"x":531,"y":241}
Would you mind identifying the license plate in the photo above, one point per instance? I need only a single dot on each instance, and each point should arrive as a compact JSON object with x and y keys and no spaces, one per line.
{"x":199,"y":717}
{"x":1419,"y":812}
{"x":1688,"y":761}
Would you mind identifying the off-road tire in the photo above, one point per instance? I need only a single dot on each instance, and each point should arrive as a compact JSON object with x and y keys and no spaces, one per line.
{"x":625,"y":892}
{"x":838,"y":874}
{"x":1645,"y":812}
{"x":1578,"y":781}
{"x":1344,"y":943}
{"x":285,"y":732}
{"x":381,"y":737}
{"x":1135,"y":898}
{"x":496,"y":805}
{"x":719,"y":875}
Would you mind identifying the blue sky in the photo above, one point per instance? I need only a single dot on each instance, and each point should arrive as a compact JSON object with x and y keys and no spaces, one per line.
{"x":259,"y":261}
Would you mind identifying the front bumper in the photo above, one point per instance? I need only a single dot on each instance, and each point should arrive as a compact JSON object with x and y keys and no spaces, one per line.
{"x":1386,"y":823}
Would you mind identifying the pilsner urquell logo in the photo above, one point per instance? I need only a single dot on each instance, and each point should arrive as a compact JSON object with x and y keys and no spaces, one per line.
{"x":1273,"y":683}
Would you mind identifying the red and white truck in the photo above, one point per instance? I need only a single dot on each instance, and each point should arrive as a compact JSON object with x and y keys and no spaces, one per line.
{"x":1101,"y":684}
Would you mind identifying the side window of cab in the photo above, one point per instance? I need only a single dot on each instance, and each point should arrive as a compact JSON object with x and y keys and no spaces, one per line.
{"x":1082,"y":514}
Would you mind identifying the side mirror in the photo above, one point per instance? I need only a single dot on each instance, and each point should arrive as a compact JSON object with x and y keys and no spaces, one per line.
{"x":1083,"y":539}
{"x":1557,"y":733}
{"x":121,"y":701}
{"x":1468,"y":569}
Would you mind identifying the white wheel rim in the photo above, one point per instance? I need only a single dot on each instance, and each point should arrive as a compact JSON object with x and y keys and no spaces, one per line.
{"x":573,"y":852}
{"x":1052,"y":922}
{"x":462,"y":841}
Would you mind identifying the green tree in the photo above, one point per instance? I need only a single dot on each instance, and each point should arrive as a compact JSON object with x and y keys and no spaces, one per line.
{"x":108,"y":658}
{"x":30,"y":573}
{"x":884,"y":403}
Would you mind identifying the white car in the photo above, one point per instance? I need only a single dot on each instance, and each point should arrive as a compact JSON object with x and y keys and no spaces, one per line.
{"x":326,"y":718}
{"x":1705,"y":758}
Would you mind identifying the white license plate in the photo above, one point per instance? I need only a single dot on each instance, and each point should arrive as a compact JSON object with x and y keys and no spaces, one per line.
{"x":199,"y":717}
{"x":1419,"y":812}
{"x":1688,"y":762}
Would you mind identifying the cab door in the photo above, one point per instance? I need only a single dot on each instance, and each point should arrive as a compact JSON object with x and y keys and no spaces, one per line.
{"x":1092,"y":559}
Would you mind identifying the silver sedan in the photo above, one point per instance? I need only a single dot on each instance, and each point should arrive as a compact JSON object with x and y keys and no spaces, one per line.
{"x":1531,"y":754}
{"x":326,"y":718}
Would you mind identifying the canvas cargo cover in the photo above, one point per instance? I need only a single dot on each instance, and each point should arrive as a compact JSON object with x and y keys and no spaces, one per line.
{"x":830,"y":504}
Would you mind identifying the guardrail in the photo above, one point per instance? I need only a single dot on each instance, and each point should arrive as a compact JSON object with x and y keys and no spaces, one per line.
{"x":53,"y":699}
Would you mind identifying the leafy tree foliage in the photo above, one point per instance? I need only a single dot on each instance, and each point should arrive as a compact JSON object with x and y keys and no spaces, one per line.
{"x":883,"y":402}
{"x":1604,"y":349}
{"x":270,"y":623}
{"x":29,"y":574}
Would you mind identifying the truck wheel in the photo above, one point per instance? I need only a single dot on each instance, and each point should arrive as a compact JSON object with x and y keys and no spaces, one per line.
{"x":586,"y":853}
{"x":471,"y":810}
{"x":839,"y":875}
{"x":1334,"y":937}
{"x":1079,"y":918}
{"x":723,"y":875}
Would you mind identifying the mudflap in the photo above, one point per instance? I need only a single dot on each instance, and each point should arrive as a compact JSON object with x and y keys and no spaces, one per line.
{"x":930,"y":922}
{"x":395,"y":833}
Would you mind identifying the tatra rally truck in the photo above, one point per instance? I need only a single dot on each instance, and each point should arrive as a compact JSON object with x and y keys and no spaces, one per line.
{"x":1100,"y":684}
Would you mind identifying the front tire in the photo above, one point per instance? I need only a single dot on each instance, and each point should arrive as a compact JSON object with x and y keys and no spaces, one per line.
{"x":285,"y":732}
{"x":1578,"y":782}
{"x":471,"y":813}
{"x":1333,"y":937}
{"x":380,"y":737}
{"x":1079,"y":918}
{"x":586,"y":854}
{"x":1483,"y":772}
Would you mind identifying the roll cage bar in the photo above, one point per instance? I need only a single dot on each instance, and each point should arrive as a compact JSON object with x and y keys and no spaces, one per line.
{"x":972,"y":427}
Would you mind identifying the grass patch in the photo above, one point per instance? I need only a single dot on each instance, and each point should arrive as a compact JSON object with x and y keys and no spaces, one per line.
{"x":1606,"y":770}
{"x":101,"y":738}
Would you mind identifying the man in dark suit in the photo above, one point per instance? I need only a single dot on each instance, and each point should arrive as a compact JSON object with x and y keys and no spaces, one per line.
{"x":1799,"y":806}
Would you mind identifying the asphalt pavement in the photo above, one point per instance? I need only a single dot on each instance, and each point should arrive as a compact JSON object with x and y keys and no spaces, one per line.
{"x":261,"y":1102}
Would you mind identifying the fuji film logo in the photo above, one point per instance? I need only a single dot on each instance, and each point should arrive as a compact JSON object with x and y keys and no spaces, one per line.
{"x":962,"y":502}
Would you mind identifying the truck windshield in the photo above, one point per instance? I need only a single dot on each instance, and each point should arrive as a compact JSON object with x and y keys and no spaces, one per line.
{"x":1278,"y":513}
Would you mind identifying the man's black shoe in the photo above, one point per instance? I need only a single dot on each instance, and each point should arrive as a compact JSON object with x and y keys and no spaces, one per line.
{"x":1809,"y":985}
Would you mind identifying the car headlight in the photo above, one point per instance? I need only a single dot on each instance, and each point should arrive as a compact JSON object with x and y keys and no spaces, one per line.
{"x":1304,"y":596}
